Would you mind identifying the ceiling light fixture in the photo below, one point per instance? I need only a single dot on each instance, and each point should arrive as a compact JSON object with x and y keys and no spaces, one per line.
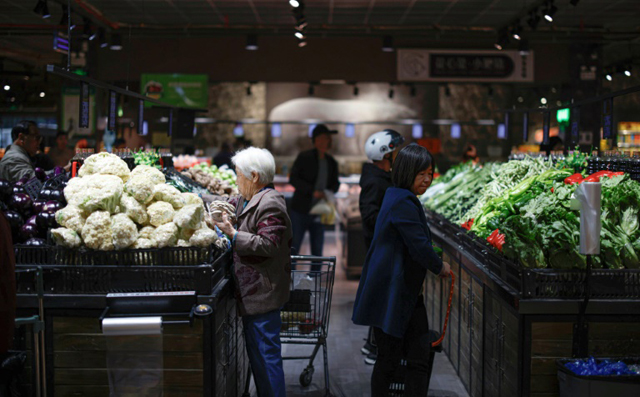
{"x":7,"y":87}
{"x":302,"y":44}
{"x":42,"y":9}
{"x":116,"y":42}
{"x":42,"y":94}
{"x":252,"y":42}
{"x":627,"y":71}
{"x":299,"y":35}
{"x":523,"y":47}
{"x":608,"y":76}
{"x":387,"y":44}
{"x":294,"y":3}
{"x":516,"y":32}
{"x":102,"y":38}
{"x":534,"y":19}
{"x":301,"y":23}
{"x":550,"y":11}
{"x":543,"y":100}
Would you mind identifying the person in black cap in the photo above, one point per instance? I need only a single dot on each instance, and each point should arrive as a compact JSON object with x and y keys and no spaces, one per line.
{"x":313,"y":172}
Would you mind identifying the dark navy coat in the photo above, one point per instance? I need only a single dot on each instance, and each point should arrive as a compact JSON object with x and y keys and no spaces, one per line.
{"x":396,"y":264}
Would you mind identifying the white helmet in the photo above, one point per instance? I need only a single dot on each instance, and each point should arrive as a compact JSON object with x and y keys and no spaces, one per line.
{"x":381,"y":143}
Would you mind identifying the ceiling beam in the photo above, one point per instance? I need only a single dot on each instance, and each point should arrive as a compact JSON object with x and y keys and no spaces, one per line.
{"x":446,"y":12}
{"x":255,"y":11}
{"x":178,"y":10}
{"x":330,"y":20}
{"x":216,"y":10}
{"x":407,"y":11}
{"x":483,"y":12}
{"x":368,"y":14}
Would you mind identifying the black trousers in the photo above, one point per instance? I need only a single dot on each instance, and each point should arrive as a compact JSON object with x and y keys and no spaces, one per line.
{"x":415,"y":347}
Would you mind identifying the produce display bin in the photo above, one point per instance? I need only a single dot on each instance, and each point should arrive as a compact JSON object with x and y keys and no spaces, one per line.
{"x":574,"y":385}
{"x":509,"y":325}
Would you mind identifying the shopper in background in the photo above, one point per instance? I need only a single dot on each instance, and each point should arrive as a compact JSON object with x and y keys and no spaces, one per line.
{"x":471,"y":154}
{"x":389,"y":295}
{"x":313,"y":172}
{"x":42,"y":160}
{"x":374,"y":181}
{"x":16,"y":163}
{"x":224,"y":156}
{"x":61,"y":153}
{"x":262,"y":265}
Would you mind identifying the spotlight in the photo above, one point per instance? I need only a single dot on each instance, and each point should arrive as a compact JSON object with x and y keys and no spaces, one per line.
{"x":387,"y":44}
{"x":42,"y":9}
{"x":627,"y":71}
{"x":523,"y":47}
{"x":608,"y":76}
{"x":550,"y":11}
{"x":301,"y":23}
{"x":302,"y":44}
{"x":516,"y":32}
{"x":116,"y":42}
{"x":356,"y":90}
{"x":503,"y":39}
{"x":87,"y":30}
{"x":7,"y":87}
{"x":574,"y":2}
{"x":42,"y":94}
{"x":294,"y":3}
{"x":299,"y":35}
{"x":520,"y":99}
{"x":252,"y":42}
{"x":558,"y":103}
{"x":543,"y":100}
{"x":534,"y":19}
{"x":102,"y":38}
{"x":312,"y":90}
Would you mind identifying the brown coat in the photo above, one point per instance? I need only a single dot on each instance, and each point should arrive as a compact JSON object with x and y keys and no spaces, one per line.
{"x":262,"y":253}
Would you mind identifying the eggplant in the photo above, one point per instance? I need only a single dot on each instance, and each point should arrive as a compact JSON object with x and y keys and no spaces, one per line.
{"x":31,"y":221}
{"x":40,"y":174}
{"x":44,"y":194}
{"x":38,"y":206}
{"x":18,"y":189}
{"x":21,"y":202}
{"x":5,"y":190}
{"x":46,"y":220}
{"x":28,"y":231}
{"x":56,"y":195}
{"x":52,"y":206}
{"x":58,"y":170}
{"x":36,"y":242}
{"x":22,"y":181}
{"x":15,"y":220}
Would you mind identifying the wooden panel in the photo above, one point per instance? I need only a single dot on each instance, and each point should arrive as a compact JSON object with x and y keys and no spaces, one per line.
{"x":103,"y":391}
{"x":544,"y":383}
{"x":510,"y":359}
{"x":97,"y":342}
{"x":613,"y":339}
{"x":98,"y":359}
{"x":98,"y":376}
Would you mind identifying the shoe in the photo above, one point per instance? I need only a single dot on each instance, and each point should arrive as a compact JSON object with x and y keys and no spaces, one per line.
{"x":367,"y":348}
{"x":370,"y":359}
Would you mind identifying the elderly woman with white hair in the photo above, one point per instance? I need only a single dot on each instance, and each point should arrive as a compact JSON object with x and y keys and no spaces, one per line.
{"x":261,"y":243}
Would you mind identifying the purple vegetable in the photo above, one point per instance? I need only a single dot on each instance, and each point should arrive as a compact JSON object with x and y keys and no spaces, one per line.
{"x":44,"y":194}
{"x":51,"y":206}
{"x":36,"y":242}
{"x":38,"y":206}
{"x":56,"y":195}
{"x":40,"y":174}
{"x":5,"y":190}
{"x":28,"y":231}
{"x":46,"y":220}
{"x":15,"y":220}
{"x":58,"y":170}
{"x":31,"y":221}
{"x":21,"y":182}
{"x":18,"y":189}
{"x":21,"y":202}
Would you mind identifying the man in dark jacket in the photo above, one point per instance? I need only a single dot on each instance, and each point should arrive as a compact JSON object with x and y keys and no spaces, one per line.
{"x":313,"y":172}
{"x":374,"y":181}
{"x":16,"y":163}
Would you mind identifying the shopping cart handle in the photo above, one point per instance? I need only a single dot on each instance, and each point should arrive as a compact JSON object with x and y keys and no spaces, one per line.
{"x":446,"y":318}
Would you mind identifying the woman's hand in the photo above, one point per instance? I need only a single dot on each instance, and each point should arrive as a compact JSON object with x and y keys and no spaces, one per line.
{"x":226,"y":227}
{"x":446,"y":270}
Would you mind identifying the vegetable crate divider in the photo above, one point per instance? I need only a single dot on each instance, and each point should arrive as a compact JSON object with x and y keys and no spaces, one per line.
{"x":144,"y":270}
{"x":172,"y":172}
{"x":33,"y":187}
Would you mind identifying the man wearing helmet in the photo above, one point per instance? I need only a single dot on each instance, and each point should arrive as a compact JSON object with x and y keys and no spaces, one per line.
{"x":374,"y":181}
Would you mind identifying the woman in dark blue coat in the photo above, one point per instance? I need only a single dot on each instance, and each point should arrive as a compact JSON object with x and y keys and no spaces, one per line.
{"x":389,"y":295}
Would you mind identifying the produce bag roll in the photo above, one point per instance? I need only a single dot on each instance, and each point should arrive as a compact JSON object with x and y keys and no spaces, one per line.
{"x":589,"y":196}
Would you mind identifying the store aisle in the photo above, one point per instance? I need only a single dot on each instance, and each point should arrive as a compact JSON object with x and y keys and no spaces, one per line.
{"x":350,"y":376}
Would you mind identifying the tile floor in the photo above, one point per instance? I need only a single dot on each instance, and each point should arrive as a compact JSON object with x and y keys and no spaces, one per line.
{"x":349,"y":375}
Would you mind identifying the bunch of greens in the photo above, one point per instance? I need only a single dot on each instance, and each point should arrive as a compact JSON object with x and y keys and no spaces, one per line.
{"x":150,"y":158}
{"x":453,"y":171}
{"x":577,"y":161}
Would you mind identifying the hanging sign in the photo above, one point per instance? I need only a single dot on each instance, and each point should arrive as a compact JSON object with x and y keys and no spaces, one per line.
{"x":607,"y":118}
{"x":545,"y":128}
{"x":464,"y":66}
{"x":506,"y":125}
{"x":575,"y":125}
{"x":525,"y":127}
{"x":85,"y":94}
{"x":181,"y":90}
{"x":140,"y":115}
{"x":113,"y":105}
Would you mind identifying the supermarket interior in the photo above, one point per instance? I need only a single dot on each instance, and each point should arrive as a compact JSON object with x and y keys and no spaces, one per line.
{"x":468,"y":172}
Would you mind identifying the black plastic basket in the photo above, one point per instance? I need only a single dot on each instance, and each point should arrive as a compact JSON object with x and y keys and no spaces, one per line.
{"x":574,"y":385}
{"x":190,"y":183}
{"x":33,"y":187}
{"x":129,"y":275}
{"x":56,"y":182}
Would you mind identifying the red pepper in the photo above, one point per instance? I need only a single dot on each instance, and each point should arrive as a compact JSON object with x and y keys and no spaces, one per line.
{"x":493,"y":236}
{"x":592,"y":178}
{"x":499,"y":242}
{"x":573,"y":179}
{"x":467,"y":225}
{"x":552,"y":190}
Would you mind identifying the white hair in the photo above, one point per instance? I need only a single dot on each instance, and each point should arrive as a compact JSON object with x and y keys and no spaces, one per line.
{"x":256,"y":160}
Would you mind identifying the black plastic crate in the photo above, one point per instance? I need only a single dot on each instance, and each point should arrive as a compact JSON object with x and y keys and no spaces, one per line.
{"x":193,"y":185}
{"x":33,"y":187}
{"x":574,"y":385}
{"x":570,"y":284}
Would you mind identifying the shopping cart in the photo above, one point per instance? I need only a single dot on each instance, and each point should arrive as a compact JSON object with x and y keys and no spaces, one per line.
{"x":396,"y":389}
{"x":305,"y":317}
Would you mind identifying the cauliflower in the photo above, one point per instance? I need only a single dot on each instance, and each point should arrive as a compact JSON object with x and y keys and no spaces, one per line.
{"x":203,"y":237}
{"x":136,"y":211}
{"x":189,"y":217}
{"x":153,"y":174}
{"x":74,"y":186}
{"x":165,"y":235}
{"x":140,"y":187}
{"x":66,"y":237}
{"x":191,"y":198}
{"x":183,"y":243}
{"x":71,"y":217}
{"x":105,"y":164}
{"x":96,"y":232}
{"x":185,"y":234}
{"x":169,"y":194}
{"x":142,"y":243}
{"x":124,"y":231}
{"x":160,"y":213}
{"x":100,"y":192}
{"x":146,"y":232}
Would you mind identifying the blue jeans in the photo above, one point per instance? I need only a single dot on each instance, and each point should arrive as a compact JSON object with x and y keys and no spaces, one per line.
{"x":301,"y":223}
{"x":262,"y":336}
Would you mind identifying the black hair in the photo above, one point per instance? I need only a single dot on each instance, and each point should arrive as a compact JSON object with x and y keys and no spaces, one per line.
{"x":411,"y":160}
{"x":22,"y":128}
{"x":61,"y":133}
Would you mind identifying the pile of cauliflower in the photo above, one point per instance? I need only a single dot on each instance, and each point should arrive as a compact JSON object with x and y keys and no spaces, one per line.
{"x":112,"y":208}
